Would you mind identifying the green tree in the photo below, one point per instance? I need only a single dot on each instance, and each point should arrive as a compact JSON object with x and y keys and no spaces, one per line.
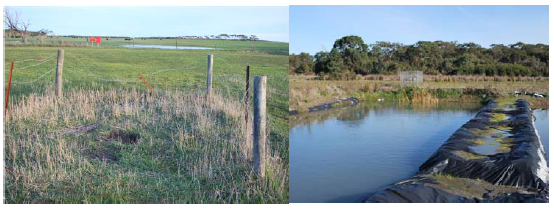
{"x":350,"y":56}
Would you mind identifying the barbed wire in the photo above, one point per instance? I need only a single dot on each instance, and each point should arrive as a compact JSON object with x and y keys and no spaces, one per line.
{"x":166,"y":70}
{"x":33,"y":81}
{"x":224,"y":75}
{"x":29,"y":60}
{"x":90,"y":74}
{"x":228,"y":65}
{"x":30,"y":66}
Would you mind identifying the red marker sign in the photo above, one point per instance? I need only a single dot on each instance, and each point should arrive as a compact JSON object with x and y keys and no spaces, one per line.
{"x":92,"y":39}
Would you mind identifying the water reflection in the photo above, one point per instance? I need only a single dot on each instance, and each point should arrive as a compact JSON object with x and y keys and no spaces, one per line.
{"x":541,"y":123}
{"x":344,"y":155}
{"x":362,"y":110}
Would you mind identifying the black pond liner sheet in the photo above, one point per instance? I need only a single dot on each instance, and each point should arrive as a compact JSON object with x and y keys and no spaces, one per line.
{"x":518,"y":174}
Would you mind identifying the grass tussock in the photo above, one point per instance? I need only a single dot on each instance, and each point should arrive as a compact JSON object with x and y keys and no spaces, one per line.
{"x":180,"y":149}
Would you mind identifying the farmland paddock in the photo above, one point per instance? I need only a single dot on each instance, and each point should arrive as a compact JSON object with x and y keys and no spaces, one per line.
{"x":106,"y":141}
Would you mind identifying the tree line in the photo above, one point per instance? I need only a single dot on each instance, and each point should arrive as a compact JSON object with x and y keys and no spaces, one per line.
{"x":350,"y":56}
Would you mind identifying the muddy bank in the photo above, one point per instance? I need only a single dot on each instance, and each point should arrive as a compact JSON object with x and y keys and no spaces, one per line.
{"x":342,"y":102}
{"x":495,"y":157}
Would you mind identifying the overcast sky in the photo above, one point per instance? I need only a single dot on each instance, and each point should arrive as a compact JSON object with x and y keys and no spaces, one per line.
{"x":268,"y":23}
{"x":315,"y":28}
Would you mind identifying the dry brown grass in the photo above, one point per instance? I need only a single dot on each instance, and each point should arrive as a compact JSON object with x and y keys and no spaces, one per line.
{"x":307,"y":91}
{"x":458,"y":78}
{"x":190,"y":151}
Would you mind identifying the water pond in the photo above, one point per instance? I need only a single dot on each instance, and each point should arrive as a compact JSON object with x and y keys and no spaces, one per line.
{"x":167,"y":47}
{"x":345,"y":155}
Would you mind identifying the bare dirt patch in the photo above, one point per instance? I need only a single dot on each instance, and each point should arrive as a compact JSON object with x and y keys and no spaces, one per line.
{"x":123,"y":136}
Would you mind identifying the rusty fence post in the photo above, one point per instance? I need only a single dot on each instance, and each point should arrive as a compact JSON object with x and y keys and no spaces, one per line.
{"x":8,"y":90}
{"x":147,"y":84}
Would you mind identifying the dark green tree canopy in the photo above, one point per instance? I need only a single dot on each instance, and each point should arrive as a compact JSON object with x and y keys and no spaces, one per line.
{"x":353,"y":43}
{"x":302,"y":63}
{"x":351,"y":56}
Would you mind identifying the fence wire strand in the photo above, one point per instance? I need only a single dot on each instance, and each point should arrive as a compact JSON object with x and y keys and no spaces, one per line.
{"x":33,"y":81}
{"x":30,"y":60}
{"x":30,"y":66}
{"x":231,"y":81}
{"x":90,"y":74}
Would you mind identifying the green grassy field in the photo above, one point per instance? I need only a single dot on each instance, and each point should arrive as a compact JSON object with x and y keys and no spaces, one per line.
{"x":265,"y":47}
{"x":189,"y":151}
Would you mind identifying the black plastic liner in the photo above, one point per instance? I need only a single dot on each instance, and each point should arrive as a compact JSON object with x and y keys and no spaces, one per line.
{"x":523,"y":168}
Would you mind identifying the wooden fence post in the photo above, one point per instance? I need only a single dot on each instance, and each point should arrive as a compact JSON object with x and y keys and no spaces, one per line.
{"x":247,"y":96}
{"x":209,"y":77}
{"x":8,"y":91}
{"x":59,"y":70}
{"x":259,"y":124}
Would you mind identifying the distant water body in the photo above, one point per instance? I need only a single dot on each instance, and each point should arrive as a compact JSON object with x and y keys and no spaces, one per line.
{"x":167,"y":47}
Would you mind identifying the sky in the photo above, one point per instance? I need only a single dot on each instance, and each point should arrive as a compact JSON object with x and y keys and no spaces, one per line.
{"x":315,"y":28}
{"x":268,"y":23}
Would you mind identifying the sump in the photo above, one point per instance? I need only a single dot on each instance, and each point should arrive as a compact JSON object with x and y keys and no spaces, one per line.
{"x":123,"y":136}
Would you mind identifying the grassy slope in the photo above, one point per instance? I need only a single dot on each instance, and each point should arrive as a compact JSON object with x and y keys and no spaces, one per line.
{"x":108,"y":69}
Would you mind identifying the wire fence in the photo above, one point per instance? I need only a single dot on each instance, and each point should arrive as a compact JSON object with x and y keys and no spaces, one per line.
{"x":33,"y":60}
{"x":227,"y":78}
{"x":230,"y":81}
{"x":33,"y":81}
